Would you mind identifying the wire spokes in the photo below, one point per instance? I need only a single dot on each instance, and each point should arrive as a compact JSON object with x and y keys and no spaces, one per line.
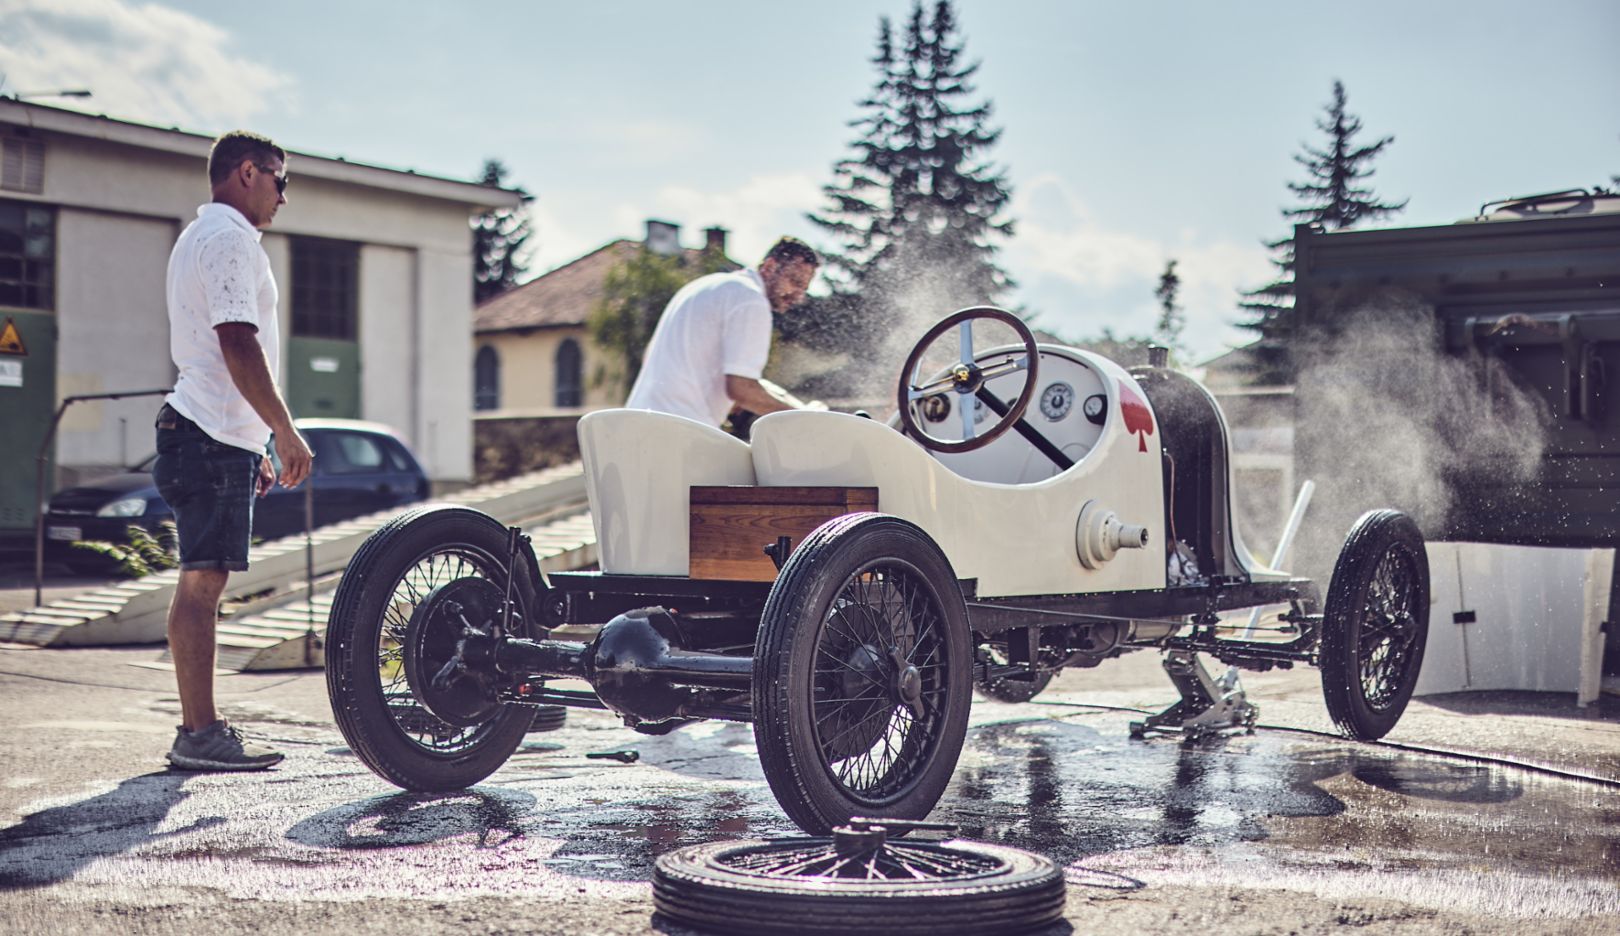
{"x":1385,"y":633}
{"x":880,"y":681}
{"x":893,"y":861}
{"x":440,"y":567}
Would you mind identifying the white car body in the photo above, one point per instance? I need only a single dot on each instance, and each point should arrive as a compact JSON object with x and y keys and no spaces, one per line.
{"x":1003,"y":514}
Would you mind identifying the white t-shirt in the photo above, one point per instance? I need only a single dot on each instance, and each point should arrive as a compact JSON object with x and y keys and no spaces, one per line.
{"x":716,"y":325}
{"x":219,"y":273}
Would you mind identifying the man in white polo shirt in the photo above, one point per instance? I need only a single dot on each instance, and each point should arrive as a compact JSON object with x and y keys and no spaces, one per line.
{"x":709,"y":349}
{"x":213,"y":429}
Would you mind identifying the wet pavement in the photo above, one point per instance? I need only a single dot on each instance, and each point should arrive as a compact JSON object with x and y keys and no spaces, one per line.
{"x":1278,"y":831}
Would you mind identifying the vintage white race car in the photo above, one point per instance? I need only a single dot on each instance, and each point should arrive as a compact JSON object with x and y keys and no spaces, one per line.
{"x":843,"y":583}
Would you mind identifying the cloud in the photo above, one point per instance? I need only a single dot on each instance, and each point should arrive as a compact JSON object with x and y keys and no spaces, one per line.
{"x":144,"y":62}
{"x":1081,"y":275}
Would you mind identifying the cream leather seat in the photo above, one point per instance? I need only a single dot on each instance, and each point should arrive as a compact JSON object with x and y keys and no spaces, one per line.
{"x":639,"y":467}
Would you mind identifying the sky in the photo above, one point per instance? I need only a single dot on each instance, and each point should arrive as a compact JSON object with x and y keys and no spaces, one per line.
{"x":1132,"y":133}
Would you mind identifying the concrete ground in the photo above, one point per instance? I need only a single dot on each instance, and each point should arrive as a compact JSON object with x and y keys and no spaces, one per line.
{"x":1282,"y":831}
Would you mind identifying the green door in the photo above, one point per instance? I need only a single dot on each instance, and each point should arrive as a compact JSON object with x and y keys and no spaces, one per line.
{"x":323,"y":352}
{"x":27,"y":401}
{"x":323,"y":377}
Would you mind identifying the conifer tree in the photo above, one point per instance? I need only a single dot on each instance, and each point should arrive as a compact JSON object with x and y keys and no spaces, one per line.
{"x":1334,"y":197}
{"x":1172,"y":318}
{"x":498,"y":240}
{"x":917,"y":208}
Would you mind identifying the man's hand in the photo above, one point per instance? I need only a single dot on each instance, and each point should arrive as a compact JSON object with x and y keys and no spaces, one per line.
{"x":295,"y":457}
{"x":267,"y":476}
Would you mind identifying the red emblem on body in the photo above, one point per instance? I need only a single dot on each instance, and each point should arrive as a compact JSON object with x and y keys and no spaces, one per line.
{"x":1138,"y":418}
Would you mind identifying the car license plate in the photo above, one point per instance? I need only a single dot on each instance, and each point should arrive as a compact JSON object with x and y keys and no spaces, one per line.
{"x":64,"y":533}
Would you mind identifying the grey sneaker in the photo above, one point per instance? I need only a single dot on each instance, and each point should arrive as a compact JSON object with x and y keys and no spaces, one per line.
{"x":219,"y":747}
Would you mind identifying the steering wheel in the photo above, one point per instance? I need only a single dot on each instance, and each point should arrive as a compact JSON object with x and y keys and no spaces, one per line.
{"x":967,"y":378}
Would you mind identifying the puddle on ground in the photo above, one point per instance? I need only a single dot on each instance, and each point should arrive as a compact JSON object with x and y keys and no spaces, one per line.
{"x":1265,"y":810}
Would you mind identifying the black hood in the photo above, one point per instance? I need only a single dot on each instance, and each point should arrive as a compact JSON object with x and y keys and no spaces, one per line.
{"x":104,"y":490}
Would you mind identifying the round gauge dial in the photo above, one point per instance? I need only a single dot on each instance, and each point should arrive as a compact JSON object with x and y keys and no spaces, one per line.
{"x":1056,"y":400}
{"x":1095,"y":408}
{"x":936,"y":408}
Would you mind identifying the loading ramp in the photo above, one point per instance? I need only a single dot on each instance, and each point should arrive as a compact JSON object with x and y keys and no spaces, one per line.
{"x":136,"y":612}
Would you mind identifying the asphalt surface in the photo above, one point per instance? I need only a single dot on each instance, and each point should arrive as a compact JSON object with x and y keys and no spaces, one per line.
{"x":1280,"y":831}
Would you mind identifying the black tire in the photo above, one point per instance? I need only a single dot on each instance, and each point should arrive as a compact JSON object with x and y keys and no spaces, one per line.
{"x":1375,"y":624}
{"x":1003,"y":689}
{"x":1016,"y":690}
{"x":859,"y":585}
{"x":548,"y":718}
{"x":718,"y":886}
{"x":381,"y":718}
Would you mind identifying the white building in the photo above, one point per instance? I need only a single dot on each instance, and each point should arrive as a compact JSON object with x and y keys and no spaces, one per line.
{"x":374,"y":267}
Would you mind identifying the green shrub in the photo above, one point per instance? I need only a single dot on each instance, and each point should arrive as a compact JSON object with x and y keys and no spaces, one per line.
{"x":145,"y":552}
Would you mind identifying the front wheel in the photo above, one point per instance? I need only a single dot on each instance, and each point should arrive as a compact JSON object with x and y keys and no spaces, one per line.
{"x":387,"y":637}
{"x":862,"y":674}
{"x":1375,"y":624}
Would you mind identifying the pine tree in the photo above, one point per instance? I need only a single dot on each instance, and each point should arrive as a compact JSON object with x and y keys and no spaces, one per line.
{"x":917,"y":207}
{"x":1334,"y":198}
{"x":498,"y":240}
{"x":1172,"y":318}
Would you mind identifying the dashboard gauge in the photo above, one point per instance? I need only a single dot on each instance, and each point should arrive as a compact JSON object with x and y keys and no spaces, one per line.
{"x":936,"y":408}
{"x":1096,"y":409}
{"x":1056,"y":401}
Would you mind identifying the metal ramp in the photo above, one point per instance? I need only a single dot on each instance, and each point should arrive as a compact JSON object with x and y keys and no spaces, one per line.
{"x":136,"y":612}
{"x":290,"y":633}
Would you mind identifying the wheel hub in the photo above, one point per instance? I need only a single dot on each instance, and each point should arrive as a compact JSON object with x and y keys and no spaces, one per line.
{"x":861,"y":694}
{"x":444,"y":666}
{"x":966,"y":378}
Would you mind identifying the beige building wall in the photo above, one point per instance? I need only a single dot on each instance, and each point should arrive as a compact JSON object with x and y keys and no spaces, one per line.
{"x":529,"y":372}
{"x":444,"y":362}
{"x":112,"y":333}
{"x":124,"y":194}
{"x":390,"y":391}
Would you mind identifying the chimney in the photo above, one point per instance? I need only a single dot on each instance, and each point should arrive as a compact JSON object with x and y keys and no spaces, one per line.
{"x":714,"y":240}
{"x":663,"y":238}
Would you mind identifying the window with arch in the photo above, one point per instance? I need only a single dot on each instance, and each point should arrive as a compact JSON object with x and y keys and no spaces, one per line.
{"x":486,"y":379}
{"x":569,"y":368}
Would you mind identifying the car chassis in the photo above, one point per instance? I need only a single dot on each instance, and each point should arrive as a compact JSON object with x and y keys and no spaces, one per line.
{"x":856,"y":654}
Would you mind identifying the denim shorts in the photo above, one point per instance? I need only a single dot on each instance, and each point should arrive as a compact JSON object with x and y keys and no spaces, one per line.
{"x":209,"y":486}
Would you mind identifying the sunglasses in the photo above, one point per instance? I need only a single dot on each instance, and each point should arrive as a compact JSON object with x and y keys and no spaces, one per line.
{"x":281,"y":180}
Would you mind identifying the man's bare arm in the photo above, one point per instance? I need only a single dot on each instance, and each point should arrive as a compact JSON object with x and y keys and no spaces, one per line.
{"x":250,"y":371}
{"x":760,"y":396}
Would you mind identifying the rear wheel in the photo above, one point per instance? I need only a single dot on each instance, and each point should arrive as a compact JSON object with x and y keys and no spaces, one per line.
{"x":863,"y":674}
{"x":389,"y":635}
{"x":1375,"y":624}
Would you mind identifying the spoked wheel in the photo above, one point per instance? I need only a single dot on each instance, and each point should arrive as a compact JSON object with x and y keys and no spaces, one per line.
{"x":857,"y":882}
{"x":862,"y":674}
{"x":1005,"y":689}
{"x":396,"y":617}
{"x":1375,"y":624}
